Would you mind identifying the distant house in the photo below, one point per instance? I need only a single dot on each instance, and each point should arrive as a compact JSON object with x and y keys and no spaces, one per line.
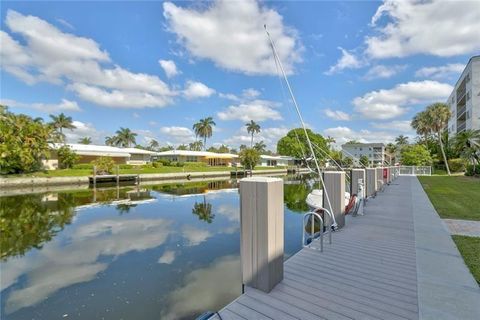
{"x":90,"y":152}
{"x":375,"y":152}
{"x":276,"y":161}
{"x":210,"y":158}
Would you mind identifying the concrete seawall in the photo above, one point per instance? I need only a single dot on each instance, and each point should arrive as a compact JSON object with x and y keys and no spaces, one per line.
{"x":12,"y":183}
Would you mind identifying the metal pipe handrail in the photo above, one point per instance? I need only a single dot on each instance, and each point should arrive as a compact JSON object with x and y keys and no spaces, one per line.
{"x":313,"y":215}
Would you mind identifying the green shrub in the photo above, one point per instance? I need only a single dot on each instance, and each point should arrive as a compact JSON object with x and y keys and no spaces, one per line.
{"x":147,"y":166}
{"x":104,"y":165}
{"x":456,"y":165}
{"x":125,"y":166}
{"x":472,"y":170}
{"x":165,"y":162}
{"x":195,"y":164}
{"x":66,"y":157}
{"x":83,"y":166}
{"x":157,"y":164}
{"x":249,"y":158}
{"x":177,"y":164}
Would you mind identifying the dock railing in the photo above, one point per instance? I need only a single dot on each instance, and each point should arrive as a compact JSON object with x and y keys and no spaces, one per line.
{"x":414,"y":170}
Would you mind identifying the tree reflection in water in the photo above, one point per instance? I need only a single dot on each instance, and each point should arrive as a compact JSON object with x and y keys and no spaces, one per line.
{"x":295,"y":193}
{"x":28,"y":222}
{"x":203,"y":210}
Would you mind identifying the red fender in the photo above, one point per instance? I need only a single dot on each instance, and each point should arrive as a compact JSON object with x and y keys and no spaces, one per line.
{"x":350,"y":204}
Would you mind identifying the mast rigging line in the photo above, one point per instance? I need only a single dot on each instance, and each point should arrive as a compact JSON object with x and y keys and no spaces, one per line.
{"x":272,"y":44}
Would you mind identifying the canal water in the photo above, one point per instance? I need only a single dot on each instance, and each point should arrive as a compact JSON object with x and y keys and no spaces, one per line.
{"x":168,"y":251}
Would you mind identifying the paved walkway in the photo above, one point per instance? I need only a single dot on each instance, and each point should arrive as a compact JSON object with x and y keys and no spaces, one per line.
{"x":463,"y":227}
{"x":396,"y":262}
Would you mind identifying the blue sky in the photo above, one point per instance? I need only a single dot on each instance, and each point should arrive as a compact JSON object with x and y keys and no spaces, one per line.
{"x":359,"y":70}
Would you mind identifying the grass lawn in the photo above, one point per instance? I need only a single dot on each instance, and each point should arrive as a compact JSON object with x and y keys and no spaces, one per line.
{"x":139,"y":170}
{"x":455,"y":197}
{"x":469,"y":247}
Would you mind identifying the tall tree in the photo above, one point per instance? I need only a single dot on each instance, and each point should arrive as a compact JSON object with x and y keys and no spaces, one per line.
{"x":467,"y":144}
{"x":421,"y":125}
{"x":205,"y":129}
{"x":260,"y":147}
{"x":153,"y":144}
{"x":85,"y":140}
{"x":438,"y":115}
{"x":252,"y":128}
{"x":111,"y":141}
{"x":401,"y":140}
{"x":61,"y":122}
{"x":195,"y":146}
{"x":125,"y":137}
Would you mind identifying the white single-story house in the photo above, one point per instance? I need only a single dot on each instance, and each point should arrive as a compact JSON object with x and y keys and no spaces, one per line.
{"x":210,"y":158}
{"x":276,"y":161}
{"x":89,"y":152}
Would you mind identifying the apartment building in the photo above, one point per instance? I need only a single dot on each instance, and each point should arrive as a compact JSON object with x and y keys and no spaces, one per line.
{"x":375,"y":152}
{"x":464,"y":101}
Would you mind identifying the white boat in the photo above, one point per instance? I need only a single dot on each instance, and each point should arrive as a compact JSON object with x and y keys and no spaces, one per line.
{"x":315,"y":199}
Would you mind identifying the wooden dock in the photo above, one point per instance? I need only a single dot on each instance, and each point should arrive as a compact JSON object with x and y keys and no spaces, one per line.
{"x":374,"y":269}
{"x":112,"y":178}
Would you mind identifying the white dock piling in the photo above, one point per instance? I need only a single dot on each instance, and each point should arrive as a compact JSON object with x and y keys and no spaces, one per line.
{"x":371,"y":182}
{"x":335,"y":187}
{"x":262,"y":238}
{"x":356,"y":175}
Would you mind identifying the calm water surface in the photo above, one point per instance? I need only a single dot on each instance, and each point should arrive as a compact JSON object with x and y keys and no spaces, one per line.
{"x":153,"y":252}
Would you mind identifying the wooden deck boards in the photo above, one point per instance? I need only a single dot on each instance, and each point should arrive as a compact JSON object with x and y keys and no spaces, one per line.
{"x":368,"y":272}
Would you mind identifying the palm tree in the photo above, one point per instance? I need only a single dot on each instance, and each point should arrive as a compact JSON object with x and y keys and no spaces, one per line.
{"x":195,"y":146}
{"x":196,"y":129}
{"x":252,"y":128}
{"x":204,"y":129}
{"x":153,"y":145}
{"x":401,"y":140}
{"x":467,"y":143}
{"x":421,"y":125}
{"x":329,"y":140}
{"x":111,"y":141}
{"x":260,"y":146}
{"x":437,"y":116}
{"x":125,"y":137}
{"x":392,"y":151}
{"x":85,"y":140}
{"x":203,"y":210}
{"x":61,"y":122}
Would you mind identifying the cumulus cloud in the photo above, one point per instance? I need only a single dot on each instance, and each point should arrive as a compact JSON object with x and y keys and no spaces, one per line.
{"x":269,"y":136}
{"x":83,"y":129}
{"x":383,"y":72}
{"x":231,"y":34}
{"x":441,"y":28}
{"x":195,"y":90}
{"x":337,"y":115}
{"x":257,"y":110}
{"x":178,"y":134}
{"x":347,"y":61}
{"x":169,"y":67}
{"x":64,"y":105}
{"x":396,"y":125}
{"x":345,"y":134}
{"x":390,"y":103}
{"x":440,"y":72}
{"x":47,"y":54}
{"x":247,"y":94}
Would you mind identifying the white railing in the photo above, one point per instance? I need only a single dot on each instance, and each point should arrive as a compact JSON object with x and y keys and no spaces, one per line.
{"x":414,"y":170}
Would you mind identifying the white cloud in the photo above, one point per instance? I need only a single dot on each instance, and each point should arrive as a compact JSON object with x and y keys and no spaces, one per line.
{"x":344,"y":134}
{"x":247,"y":94}
{"x":84,"y":130}
{"x":250,"y":93}
{"x":51,"y":55}
{"x":195,"y":90}
{"x":65,"y":23}
{"x":441,"y":72}
{"x":347,"y":61}
{"x":257,"y":110}
{"x":396,"y":125}
{"x":337,"y":115}
{"x":195,"y":236}
{"x":231,"y":34}
{"x":64,"y":105}
{"x":441,"y":28}
{"x":178,"y":134}
{"x":169,"y":67}
{"x":269,"y":136}
{"x":390,"y":103}
{"x":383,"y":72}
{"x":168,"y":257}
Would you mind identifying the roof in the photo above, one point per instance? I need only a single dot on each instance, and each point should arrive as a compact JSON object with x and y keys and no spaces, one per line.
{"x":269,"y":157}
{"x":106,"y":151}
{"x":196,"y":154}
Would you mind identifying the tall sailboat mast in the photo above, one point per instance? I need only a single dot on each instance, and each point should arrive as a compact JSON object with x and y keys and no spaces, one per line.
{"x":310,"y":146}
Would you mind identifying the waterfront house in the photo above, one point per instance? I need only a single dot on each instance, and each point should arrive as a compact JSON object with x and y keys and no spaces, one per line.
{"x":210,"y":158}
{"x":276,"y":161}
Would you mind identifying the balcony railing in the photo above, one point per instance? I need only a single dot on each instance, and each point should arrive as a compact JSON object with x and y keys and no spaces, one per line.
{"x":461,"y":111}
{"x":461,"y":127}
